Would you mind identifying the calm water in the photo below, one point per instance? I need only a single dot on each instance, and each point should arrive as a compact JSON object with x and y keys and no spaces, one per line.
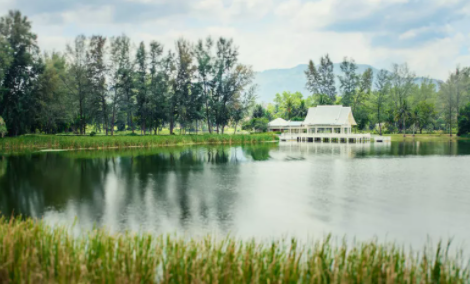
{"x":402,"y":191}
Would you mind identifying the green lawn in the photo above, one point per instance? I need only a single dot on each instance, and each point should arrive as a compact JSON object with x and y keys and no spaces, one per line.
{"x":425,"y":137}
{"x":163,"y":131}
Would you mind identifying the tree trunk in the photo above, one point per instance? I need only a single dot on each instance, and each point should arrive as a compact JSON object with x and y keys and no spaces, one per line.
{"x":450,"y":121}
{"x":171,"y":125}
{"x":105,"y":115}
{"x":404,"y":127}
{"x":112,"y":120}
{"x":380,"y":124}
{"x":207,"y":112}
{"x":81,"y":119}
{"x":235,"y":131}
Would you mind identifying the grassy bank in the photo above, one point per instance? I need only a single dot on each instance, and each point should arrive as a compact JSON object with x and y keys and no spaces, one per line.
{"x":31,"y":252}
{"x":425,"y":137}
{"x":35,"y":142}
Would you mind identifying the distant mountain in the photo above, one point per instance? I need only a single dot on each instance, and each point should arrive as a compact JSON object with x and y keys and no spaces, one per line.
{"x":273,"y":81}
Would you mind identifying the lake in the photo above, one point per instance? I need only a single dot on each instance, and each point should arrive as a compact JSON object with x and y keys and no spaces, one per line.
{"x":400,"y":191}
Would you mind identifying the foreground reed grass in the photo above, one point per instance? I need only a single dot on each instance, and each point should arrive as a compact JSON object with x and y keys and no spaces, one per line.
{"x":31,"y":252}
{"x":109,"y":142}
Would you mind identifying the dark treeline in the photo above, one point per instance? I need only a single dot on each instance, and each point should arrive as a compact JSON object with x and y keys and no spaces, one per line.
{"x":390,"y":102}
{"x":109,"y":83}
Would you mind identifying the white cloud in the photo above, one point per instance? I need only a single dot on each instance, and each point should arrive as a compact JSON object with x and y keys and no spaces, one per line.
{"x":274,"y":33}
{"x":322,"y":13}
{"x":434,"y":59}
{"x":237,"y":10}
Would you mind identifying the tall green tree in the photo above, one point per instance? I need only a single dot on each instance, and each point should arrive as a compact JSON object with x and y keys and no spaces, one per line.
{"x":423,"y":114}
{"x":348,"y":81}
{"x":125,"y":80}
{"x":321,"y":80}
{"x":141,"y":86}
{"x":402,"y":81}
{"x":54,"y":114}
{"x":18,"y":90}
{"x":380,"y":97}
{"x":447,"y":99}
{"x":205,"y":76}
{"x":453,"y":94}
{"x":241,"y":108}
{"x":361,"y":97}
{"x":181,"y":108}
{"x":115,"y":92}
{"x":230,"y":79}
{"x":6,"y":58}
{"x":77,"y":80}
{"x":158,"y":86}
{"x":97,"y":73}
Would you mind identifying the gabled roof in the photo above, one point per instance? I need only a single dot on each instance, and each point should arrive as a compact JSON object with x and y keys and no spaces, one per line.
{"x":329,"y":115}
{"x":278,"y":122}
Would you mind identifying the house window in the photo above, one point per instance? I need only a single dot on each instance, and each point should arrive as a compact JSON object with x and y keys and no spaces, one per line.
{"x":337,"y":130}
{"x":321,"y":130}
{"x":346,"y":131}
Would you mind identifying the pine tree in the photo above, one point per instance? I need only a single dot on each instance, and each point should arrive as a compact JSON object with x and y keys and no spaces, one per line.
{"x":349,"y":81}
{"x":97,"y":72}
{"x":141,"y":86}
{"x":321,"y":80}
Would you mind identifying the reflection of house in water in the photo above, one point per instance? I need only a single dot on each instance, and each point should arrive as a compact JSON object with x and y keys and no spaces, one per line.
{"x":292,"y":150}
{"x":331,"y":124}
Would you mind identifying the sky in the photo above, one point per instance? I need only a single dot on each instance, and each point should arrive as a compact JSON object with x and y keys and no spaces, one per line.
{"x":432,"y":36}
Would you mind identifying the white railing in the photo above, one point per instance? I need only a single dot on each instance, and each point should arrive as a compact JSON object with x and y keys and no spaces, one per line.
{"x":288,"y":135}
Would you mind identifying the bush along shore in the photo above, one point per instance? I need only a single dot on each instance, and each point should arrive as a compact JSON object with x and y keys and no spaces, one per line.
{"x":37,"y":142}
{"x":32,"y":252}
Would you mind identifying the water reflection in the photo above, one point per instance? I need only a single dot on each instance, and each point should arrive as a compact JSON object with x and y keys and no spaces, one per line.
{"x":355,"y":150}
{"x":404,"y":190}
{"x":151,"y":190}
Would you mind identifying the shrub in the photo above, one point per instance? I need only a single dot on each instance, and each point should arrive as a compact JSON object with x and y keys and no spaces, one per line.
{"x":464,"y":120}
{"x":121,"y":125}
{"x":93,"y":133}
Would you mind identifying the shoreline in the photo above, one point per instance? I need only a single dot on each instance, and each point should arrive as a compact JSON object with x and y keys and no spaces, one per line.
{"x":54,"y":143}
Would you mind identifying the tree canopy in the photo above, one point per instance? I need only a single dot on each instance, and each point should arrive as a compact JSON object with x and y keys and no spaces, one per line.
{"x":105,"y":83}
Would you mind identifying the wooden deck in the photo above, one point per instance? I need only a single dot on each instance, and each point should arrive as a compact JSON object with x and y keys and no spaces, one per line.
{"x":326,"y":137}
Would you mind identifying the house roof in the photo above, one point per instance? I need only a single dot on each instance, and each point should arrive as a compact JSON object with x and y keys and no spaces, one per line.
{"x":278,"y":122}
{"x":329,"y":115}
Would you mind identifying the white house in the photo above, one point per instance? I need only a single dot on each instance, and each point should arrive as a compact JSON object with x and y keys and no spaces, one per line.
{"x":322,"y":124}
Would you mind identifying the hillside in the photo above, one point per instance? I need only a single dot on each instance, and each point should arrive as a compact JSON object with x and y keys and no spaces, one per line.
{"x":274,"y":81}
